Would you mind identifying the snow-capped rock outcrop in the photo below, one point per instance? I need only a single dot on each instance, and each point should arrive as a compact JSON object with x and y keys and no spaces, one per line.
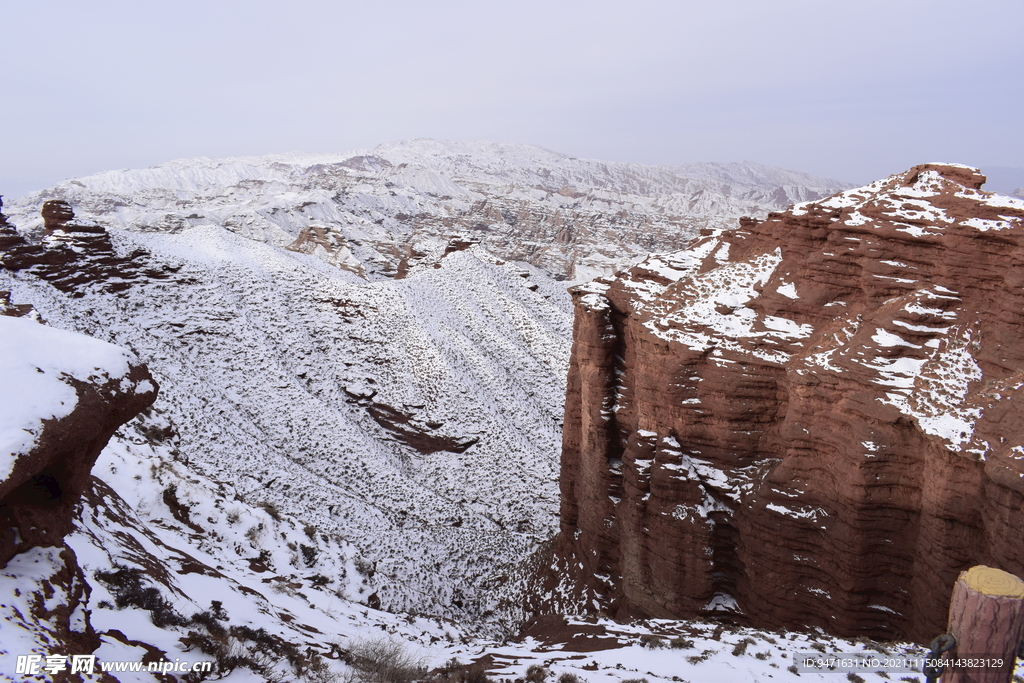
{"x":64,"y":395}
{"x":375,"y":211}
{"x":812,"y":420}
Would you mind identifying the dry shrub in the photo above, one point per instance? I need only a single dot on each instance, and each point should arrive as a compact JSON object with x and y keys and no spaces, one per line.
{"x":383,"y":660}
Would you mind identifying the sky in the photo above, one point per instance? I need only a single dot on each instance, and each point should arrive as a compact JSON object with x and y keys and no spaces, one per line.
{"x":852,"y":90}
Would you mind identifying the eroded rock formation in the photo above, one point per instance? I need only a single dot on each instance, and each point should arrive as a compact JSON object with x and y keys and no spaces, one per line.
{"x":75,"y":254}
{"x":64,"y":396}
{"x":56,"y":213}
{"x":813,"y":420}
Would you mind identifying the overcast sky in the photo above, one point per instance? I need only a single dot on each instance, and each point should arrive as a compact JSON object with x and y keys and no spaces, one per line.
{"x":853,"y":90}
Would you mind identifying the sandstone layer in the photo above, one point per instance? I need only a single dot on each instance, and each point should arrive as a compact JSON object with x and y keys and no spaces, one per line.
{"x":813,"y":420}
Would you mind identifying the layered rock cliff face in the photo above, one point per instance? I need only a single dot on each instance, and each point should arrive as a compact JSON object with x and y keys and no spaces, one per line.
{"x":75,"y":255}
{"x":813,"y":420}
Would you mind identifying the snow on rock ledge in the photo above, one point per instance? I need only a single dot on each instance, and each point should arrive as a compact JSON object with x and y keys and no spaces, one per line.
{"x":64,"y":395}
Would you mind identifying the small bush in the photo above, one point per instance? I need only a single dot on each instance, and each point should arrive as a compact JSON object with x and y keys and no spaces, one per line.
{"x":680,"y":643}
{"x":364,"y":567}
{"x":651,"y":641}
{"x":455,"y":672}
{"x":636,"y":680}
{"x":254,"y":533}
{"x":536,"y":673}
{"x":272,"y":510}
{"x":696,"y":659}
{"x":854,"y":678}
{"x":309,"y":554}
{"x":569,"y":677}
{"x":126,"y":585}
{"x":741,"y":647}
{"x":793,"y":670}
{"x":217,"y":609}
{"x":208,"y":620}
{"x":762,"y":656}
{"x":386,"y":661}
{"x":319,"y":580}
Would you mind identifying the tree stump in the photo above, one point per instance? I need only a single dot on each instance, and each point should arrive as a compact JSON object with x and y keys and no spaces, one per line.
{"x":986,"y":615}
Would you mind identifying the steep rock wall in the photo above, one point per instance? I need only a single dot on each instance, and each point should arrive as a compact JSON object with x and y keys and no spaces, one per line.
{"x":808,"y":421}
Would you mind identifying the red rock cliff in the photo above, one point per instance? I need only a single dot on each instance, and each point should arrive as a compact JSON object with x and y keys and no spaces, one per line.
{"x":814,"y":420}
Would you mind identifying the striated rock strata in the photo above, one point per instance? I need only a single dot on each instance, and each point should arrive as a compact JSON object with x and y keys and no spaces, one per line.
{"x":64,"y":395}
{"x":813,"y":420}
{"x":75,"y":255}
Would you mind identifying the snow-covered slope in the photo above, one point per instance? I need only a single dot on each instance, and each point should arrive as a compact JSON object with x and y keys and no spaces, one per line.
{"x":390,"y":413}
{"x":370,"y":210}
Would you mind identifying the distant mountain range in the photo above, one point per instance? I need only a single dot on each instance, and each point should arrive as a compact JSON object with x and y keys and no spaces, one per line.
{"x":371,"y":211}
{"x":1005,"y":180}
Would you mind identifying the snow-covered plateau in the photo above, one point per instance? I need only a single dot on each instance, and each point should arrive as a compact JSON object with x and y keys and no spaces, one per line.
{"x":362,"y":361}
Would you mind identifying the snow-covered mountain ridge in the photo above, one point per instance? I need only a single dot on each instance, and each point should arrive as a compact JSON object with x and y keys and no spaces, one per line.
{"x":371,"y":210}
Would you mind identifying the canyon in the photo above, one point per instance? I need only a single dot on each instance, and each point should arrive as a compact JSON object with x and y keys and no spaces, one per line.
{"x":354,"y":416}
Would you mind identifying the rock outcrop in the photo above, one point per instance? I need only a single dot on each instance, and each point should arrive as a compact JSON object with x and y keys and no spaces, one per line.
{"x":75,"y":255}
{"x":813,"y":420}
{"x":56,"y":213}
{"x":64,"y":395}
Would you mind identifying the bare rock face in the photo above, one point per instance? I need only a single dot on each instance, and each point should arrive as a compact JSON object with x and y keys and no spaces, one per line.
{"x":814,"y":420}
{"x":64,"y":396}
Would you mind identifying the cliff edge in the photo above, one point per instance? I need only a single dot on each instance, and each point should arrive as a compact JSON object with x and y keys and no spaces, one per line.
{"x":813,"y":420}
{"x":64,"y":395}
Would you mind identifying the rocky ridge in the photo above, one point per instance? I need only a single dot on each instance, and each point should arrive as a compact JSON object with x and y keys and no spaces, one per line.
{"x":809,"y":421}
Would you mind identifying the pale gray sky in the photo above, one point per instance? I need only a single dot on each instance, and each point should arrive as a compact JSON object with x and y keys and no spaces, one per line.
{"x":852,"y":89}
